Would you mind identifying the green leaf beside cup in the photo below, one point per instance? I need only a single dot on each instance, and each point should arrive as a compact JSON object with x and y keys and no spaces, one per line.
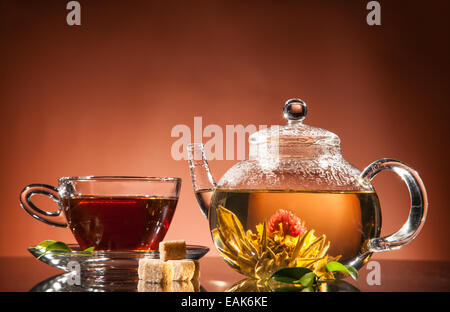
{"x":51,"y":245}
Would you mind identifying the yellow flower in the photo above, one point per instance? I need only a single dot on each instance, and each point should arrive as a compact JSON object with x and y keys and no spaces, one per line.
{"x":260,"y":254}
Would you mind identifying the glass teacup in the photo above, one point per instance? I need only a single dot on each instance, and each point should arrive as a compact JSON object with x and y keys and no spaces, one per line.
{"x":109,"y":212}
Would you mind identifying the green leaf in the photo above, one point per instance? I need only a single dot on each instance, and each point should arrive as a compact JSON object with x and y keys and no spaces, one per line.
{"x":57,"y":246}
{"x":289,"y":275}
{"x":339,"y":267}
{"x":308,"y":289}
{"x":353,"y":272}
{"x":43,"y":245}
{"x":308,"y":279}
{"x":287,"y":289}
{"x":284,"y":279}
{"x":49,"y":245}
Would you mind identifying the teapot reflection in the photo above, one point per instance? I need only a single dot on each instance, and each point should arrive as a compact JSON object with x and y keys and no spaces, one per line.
{"x":254,"y":285}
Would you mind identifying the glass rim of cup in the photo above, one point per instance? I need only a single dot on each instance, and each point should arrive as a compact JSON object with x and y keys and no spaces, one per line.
{"x":118,"y":178}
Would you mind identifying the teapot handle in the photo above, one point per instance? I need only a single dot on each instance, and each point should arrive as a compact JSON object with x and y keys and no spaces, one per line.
{"x":419,"y":204}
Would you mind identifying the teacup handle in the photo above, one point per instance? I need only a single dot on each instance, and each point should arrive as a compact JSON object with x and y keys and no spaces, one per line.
{"x":53,"y":218}
{"x":419,"y":204}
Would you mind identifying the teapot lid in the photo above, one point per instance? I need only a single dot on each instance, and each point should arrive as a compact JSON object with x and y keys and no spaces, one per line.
{"x":294,"y":136}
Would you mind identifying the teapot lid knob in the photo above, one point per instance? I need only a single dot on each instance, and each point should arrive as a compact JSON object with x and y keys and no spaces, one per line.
{"x":295,"y":110}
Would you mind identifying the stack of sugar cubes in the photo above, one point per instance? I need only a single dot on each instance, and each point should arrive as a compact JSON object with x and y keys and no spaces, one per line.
{"x":171,"y":272}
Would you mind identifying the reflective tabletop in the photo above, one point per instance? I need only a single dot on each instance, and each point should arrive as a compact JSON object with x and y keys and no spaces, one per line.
{"x":23,"y":274}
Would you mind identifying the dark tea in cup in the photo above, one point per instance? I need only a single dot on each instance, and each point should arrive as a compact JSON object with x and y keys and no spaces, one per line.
{"x":110,"y":213}
{"x":102,"y":223}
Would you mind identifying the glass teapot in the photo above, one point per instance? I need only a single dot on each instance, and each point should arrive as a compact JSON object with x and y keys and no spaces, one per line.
{"x":295,"y":201}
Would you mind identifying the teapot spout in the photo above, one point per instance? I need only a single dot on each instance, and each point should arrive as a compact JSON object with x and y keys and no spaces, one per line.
{"x":202,"y":178}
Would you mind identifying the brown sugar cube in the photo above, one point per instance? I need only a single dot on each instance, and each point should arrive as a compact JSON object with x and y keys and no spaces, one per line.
{"x":196,"y":285}
{"x":155,"y":270}
{"x":182,"y":286}
{"x":197,"y":270}
{"x":172,"y":250}
{"x":183,"y":270}
{"x":144,"y":286}
{"x":173,"y":286}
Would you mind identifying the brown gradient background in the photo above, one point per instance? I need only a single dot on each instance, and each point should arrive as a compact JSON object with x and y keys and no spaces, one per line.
{"x":102,"y":98}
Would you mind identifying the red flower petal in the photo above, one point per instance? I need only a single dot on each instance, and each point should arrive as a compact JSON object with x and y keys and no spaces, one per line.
{"x":291,"y":224}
